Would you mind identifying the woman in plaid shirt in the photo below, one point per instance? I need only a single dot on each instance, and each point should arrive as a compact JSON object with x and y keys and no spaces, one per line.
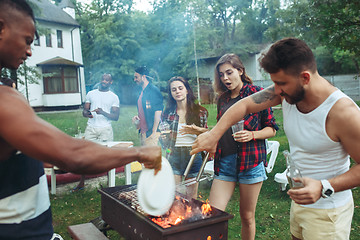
{"x":241,"y":156}
{"x":186,"y":120}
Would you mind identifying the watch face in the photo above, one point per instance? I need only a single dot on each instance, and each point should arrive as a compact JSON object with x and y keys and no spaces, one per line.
{"x":328,"y":192}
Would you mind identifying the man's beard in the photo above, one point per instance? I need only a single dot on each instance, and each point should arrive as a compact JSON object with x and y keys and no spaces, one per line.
{"x":296,"y":97}
{"x":103,"y":87}
{"x":140,"y":83}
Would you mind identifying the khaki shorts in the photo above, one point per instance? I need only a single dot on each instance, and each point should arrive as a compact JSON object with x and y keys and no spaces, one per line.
{"x":99,"y":134}
{"x":313,"y":223}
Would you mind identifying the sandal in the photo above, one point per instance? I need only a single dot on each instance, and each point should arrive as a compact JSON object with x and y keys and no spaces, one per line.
{"x":76,"y":189}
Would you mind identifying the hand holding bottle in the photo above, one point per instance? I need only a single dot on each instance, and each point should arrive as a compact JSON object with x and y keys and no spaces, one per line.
{"x":310,"y":193}
{"x":293,"y":174}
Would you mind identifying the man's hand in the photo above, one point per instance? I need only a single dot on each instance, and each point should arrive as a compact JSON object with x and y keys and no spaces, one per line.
{"x":150,"y":156}
{"x":99,"y":111}
{"x":88,"y":114}
{"x":204,"y":142}
{"x":310,"y":193}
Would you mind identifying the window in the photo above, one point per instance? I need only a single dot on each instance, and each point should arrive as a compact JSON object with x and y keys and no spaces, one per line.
{"x":59,"y":38}
{"x":37,"y":41}
{"x":48,"y":39}
{"x":60,"y":79}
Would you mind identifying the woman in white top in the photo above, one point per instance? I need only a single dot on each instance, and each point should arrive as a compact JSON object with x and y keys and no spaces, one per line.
{"x":182,"y":114}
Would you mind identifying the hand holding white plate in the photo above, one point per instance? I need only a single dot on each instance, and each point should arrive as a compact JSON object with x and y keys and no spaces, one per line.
{"x":156,"y":193}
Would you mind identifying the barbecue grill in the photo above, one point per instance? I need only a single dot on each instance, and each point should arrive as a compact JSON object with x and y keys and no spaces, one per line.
{"x":121,"y":210}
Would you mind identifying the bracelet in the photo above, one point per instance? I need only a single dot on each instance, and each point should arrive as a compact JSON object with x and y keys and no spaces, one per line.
{"x":253,"y":136}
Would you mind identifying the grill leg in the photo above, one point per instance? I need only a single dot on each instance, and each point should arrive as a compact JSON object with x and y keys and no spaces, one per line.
{"x":101,"y":225}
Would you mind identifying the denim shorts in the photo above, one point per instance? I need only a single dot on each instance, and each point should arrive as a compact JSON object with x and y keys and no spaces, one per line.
{"x":179,"y":160}
{"x":230,"y":173}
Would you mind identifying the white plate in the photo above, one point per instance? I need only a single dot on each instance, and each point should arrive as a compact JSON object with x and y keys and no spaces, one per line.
{"x":156,"y":193}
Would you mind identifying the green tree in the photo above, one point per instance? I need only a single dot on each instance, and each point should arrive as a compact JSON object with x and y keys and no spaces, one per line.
{"x":108,"y":41}
{"x":336,"y":23}
{"x":24,"y":76}
{"x":116,"y":39}
{"x":333,"y":24}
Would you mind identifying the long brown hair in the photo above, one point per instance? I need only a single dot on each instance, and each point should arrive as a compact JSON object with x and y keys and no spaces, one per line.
{"x":235,"y":61}
{"x":192,"y":108}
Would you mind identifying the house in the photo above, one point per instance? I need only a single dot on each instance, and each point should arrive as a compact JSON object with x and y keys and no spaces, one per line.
{"x":57,"y":57}
{"x":206,"y":67}
{"x":348,"y":83}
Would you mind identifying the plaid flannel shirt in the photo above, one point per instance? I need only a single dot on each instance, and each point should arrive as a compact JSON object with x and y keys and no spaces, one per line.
{"x":171,"y":117}
{"x":249,"y":154}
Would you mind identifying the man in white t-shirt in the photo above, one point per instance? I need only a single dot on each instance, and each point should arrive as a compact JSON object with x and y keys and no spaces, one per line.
{"x":101,"y":107}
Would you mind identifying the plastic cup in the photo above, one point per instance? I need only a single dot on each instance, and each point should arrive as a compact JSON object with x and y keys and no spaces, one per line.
{"x":164,"y":127}
{"x":239,"y":126}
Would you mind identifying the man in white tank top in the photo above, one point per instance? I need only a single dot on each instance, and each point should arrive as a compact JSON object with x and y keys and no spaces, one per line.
{"x":322,"y":126}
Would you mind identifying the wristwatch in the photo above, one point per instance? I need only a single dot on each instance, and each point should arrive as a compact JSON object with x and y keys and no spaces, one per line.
{"x":327,"y":189}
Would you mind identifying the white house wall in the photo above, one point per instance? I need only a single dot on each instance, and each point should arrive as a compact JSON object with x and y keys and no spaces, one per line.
{"x":204,"y":71}
{"x":251,"y":64}
{"x":42,"y":53}
{"x":66,"y":99}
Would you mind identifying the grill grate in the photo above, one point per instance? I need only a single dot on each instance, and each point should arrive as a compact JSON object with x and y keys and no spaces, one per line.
{"x":128,"y":196}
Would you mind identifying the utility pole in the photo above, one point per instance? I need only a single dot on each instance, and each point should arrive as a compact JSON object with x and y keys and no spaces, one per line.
{"x":196,"y":65}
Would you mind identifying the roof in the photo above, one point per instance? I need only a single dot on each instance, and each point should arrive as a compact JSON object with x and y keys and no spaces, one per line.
{"x":65,"y":3}
{"x":51,"y":13}
{"x":59,"y":61}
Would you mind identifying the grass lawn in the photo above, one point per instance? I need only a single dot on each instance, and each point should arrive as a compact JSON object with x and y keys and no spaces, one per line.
{"x":272,"y":213}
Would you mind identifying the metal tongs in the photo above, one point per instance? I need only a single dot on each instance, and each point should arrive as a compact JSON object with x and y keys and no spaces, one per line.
{"x":198,"y":177}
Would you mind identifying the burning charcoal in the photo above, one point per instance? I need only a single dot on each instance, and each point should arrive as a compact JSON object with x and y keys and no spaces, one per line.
{"x":183,"y":211}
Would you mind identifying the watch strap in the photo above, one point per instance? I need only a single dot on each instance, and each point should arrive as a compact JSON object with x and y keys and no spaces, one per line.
{"x":327,"y":189}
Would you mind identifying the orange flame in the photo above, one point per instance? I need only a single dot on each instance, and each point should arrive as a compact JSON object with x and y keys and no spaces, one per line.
{"x":179,"y":219}
{"x":175,"y":217}
{"x":208,"y":238}
{"x":188,"y":209}
{"x":206,"y":208}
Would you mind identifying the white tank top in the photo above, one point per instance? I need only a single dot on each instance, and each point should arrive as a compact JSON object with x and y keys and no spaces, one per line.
{"x":185,"y":140}
{"x":314,"y":153}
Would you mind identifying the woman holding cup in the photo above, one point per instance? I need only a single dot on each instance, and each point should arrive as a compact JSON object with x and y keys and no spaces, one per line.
{"x":181,"y":122}
{"x":241,"y":154}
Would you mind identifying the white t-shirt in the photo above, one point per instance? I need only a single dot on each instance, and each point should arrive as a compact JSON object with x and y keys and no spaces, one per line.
{"x":104,"y":100}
